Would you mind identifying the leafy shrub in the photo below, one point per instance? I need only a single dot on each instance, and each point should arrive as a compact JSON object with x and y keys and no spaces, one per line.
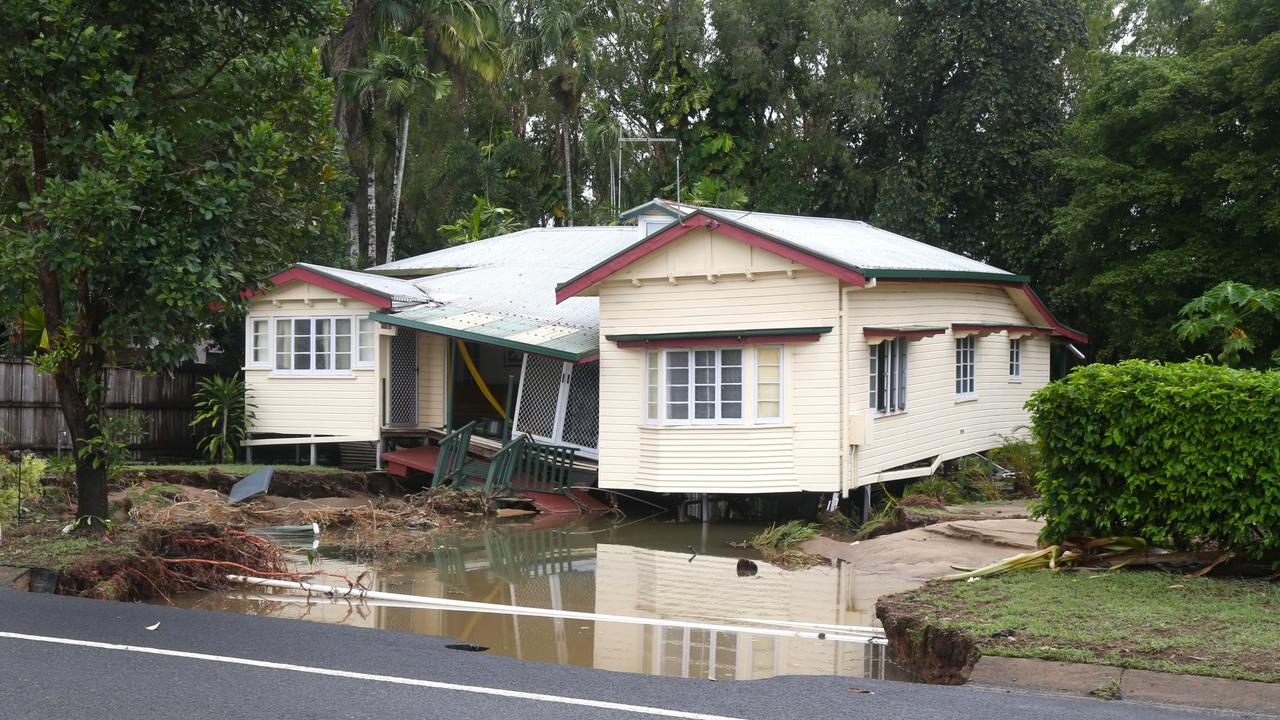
{"x":1022,"y":458}
{"x":221,"y":409}
{"x":19,"y":479}
{"x":1186,"y":455}
{"x":936,"y":487}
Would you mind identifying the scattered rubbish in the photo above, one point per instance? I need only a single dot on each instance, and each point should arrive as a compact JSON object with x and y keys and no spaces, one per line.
{"x":1176,"y":587}
{"x":153,"y":627}
{"x":746,"y":568}
{"x":43,"y":580}
{"x":468,"y":647}
{"x":860,"y":691}
{"x":694,"y":555}
{"x":250,"y":486}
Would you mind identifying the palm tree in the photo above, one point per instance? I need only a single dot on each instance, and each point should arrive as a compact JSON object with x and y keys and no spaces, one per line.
{"x":560,"y":37}
{"x":394,"y":69}
{"x":386,"y":51}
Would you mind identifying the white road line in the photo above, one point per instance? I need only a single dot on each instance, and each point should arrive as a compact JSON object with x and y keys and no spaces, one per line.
{"x":476,"y":689}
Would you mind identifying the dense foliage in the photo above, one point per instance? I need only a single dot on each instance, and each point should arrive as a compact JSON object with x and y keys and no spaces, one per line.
{"x":1182,"y":454}
{"x":158,"y":158}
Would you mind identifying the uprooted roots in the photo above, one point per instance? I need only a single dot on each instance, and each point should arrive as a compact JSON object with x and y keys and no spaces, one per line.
{"x":175,"y":560}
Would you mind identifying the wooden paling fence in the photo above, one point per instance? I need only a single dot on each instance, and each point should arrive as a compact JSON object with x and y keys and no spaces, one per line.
{"x":31,"y":419}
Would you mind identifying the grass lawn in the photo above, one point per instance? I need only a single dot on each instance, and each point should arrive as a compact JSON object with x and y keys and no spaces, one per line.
{"x":238,"y":469}
{"x":60,"y":552}
{"x":1149,"y":620}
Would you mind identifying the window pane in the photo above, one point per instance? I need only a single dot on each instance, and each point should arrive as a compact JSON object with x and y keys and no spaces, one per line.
{"x":704,"y":358}
{"x":769,"y":355}
{"x":342,"y":361}
{"x":703,"y":375}
{"x":704,"y":393}
{"x":678,"y":393}
{"x":733,"y":374}
{"x":730,"y":357}
{"x":769,"y":374}
{"x":677,"y":358}
{"x":770,"y":409}
{"x":731,"y":392}
{"x":704,"y":411}
{"x":677,"y":376}
{"x":770,"y":392}
{"x":678,"y":412}
{"x":731,"y":410}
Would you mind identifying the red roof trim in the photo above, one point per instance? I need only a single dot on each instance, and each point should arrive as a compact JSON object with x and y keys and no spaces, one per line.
{"x":328,"y":283}
{"x":719,"y":341}
{"x":694,"y":221}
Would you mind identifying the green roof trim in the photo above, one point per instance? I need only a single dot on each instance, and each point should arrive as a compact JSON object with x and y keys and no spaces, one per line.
{"x":651,"y":205}
{"x":478,"y":337}
{"x":715,"y":334}
{"x":890,"y":274}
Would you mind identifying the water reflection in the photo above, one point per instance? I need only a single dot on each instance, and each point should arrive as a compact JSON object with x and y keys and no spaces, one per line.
{"x":651,"y":569}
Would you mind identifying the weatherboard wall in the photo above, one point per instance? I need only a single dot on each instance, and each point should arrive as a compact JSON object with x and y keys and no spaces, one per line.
{"x":937,"y":422}
{"x":670,"y":291}
{"x":340,"y":405}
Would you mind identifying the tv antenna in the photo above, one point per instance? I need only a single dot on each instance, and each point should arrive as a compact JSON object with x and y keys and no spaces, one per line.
{"x":617,"y":181}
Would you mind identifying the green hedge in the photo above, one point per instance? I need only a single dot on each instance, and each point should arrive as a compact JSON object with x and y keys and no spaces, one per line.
{"x":1186,"y":455}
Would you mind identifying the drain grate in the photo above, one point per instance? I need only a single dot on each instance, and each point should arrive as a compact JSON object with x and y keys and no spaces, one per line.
{"x":467,"y":647}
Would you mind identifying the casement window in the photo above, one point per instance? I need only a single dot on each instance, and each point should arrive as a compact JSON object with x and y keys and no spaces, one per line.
{"x":769,"y":383}
{"x":704,"y":386}
{"x":314,"y":345}
{"x":966,"y":365}
{"x":888,"y":380}
{"x":259,"y":342}
{"x":1015,"y":359}
{"x":652,"y":385}
{"x":366,"y":337}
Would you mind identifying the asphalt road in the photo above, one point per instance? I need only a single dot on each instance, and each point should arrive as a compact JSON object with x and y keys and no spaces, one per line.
{"x":69,"y":658}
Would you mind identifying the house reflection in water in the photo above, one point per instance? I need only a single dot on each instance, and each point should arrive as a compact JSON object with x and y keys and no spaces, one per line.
{"x":627,"y":575}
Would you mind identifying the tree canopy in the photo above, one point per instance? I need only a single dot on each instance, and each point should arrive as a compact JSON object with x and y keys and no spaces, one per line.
{"x":159,"y":159}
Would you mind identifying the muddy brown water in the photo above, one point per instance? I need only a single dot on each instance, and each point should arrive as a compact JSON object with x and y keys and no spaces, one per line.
{"x":650,"y":568}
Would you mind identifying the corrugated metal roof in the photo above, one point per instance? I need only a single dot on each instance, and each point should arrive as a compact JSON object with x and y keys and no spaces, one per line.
{"x":510,"y":307}
{"x":573,"y":249}
{"x":853,"y":243}
{"x":856,"y":243}
{"x":400,"y":292}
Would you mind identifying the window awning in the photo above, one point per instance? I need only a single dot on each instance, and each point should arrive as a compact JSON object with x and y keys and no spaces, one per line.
{"x":702,"y":338}
{"x":876,"y":335}
{"x":966,"y":329}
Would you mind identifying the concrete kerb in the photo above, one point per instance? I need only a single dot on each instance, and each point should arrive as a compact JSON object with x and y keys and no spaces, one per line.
{"x":1058,"y":678}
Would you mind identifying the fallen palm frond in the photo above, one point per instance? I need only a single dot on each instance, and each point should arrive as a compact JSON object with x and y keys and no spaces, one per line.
{"x":1112,"y":553}
{"x":777,"y":543}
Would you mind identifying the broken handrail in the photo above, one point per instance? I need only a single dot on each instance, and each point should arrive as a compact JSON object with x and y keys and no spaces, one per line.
{"x":449,"y":604}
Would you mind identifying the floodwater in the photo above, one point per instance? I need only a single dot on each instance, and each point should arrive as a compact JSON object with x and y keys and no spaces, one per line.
{"x":647,"y":568}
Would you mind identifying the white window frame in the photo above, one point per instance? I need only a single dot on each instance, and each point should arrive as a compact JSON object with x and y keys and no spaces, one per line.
{"x":251,"y":346}
{"x":895,"y":375}
{"x":781,"y":383}
{"x":359,"y":326}
{"x":331,"y":353}
{"x":662,"y":417}
{"x":966,"y":367}
{"x":1015,"y":358}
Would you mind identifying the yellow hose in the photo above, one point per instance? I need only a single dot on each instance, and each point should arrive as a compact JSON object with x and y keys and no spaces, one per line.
{"x":475,"y":374}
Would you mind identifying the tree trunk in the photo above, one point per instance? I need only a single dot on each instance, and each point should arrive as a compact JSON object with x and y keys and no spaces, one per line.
{"x":398,"y":184}
{"x":371,"y":212}
{"x":91,"y":491}
{"x":82,"y":403}
{"x":568,"y":171}
{"x":353,"y":233}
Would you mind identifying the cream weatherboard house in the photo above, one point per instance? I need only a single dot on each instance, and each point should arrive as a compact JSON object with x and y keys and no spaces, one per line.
{"x":699,"y":350}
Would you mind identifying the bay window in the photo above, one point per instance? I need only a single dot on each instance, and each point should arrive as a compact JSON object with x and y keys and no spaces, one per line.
{"x":320,"y":345}
{"x":708,"y":386}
